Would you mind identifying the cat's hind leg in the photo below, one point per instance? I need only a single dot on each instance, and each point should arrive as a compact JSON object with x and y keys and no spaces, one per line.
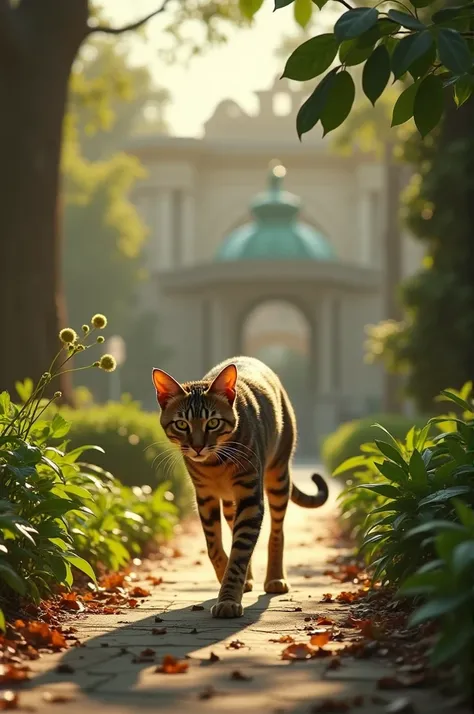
{"x":277,"y":487}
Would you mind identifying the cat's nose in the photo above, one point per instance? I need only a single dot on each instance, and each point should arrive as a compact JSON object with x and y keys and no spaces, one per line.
{"x":198,"y":449}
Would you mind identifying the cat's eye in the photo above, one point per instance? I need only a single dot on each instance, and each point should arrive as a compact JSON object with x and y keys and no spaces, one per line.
{"x":181,"y":425}
{"x":213,"y":423}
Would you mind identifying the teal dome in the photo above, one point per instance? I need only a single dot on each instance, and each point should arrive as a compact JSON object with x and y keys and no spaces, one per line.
{"x":275,"y":233}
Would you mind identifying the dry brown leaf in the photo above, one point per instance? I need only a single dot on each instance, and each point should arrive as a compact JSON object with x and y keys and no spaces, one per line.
{"x":284,"y":639}
{"x":138,"y":591}
{"x":214,"y":658}
{"x":235,"y":645}
{"x":197,"y":607}
{"x":171,"y":665}
{"x":327,"y":597}
{"x":389,"y":683}
{"x":298,"y":651}
{"x":320,"y":637}
{"x":13,"y":673}
{"x":64,"y":669}
{"x":159,"y":631}
{"x":208,"y":693}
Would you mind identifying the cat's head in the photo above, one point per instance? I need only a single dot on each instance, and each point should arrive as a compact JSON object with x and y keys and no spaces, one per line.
{"x":197,"y":416}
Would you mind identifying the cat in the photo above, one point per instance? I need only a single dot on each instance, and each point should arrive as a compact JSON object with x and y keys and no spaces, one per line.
{"x":236,"y":429}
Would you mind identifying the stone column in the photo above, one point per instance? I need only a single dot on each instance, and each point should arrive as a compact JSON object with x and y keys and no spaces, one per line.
{"x":188,"y":229}
{"x":163,"y":231}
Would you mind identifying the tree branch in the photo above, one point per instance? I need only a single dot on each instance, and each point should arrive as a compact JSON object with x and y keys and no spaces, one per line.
{"x":346,"y":4}
{"x":132,"y":26}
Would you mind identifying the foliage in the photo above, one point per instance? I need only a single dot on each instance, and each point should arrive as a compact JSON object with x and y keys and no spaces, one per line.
{"x":418,"y":530}
{"x":435,"y":51}
{"x":58,"y":513}
{"x":346,"y":441}
{"x":133,"y":446}
{"x":439,"y":298}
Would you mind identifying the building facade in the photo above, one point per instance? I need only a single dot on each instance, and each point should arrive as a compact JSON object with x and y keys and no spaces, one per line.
{"x":297,"y":269}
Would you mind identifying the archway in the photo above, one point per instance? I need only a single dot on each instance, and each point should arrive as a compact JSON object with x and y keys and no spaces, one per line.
{"x":278,"y":333}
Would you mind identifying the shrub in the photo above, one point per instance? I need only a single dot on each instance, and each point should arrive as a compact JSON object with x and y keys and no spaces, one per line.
{"x":58,"y":513}
{"x":418,"y":528}
{"x":135,"y":448}
{"x":346,"y":441}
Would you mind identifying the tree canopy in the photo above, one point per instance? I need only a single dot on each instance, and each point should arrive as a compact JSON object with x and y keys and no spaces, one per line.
{"x":426,"y":46}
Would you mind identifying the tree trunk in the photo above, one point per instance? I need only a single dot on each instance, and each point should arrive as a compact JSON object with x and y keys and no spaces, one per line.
{"x":33,"y":87}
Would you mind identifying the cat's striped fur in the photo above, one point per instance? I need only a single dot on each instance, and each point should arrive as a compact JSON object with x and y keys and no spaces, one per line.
{"x":237,"y":431}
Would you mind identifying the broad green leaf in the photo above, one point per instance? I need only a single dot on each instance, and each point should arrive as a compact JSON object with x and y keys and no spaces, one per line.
{"x":429,"y":104}
{"x":339,"y":101}
{"x":393,"y":472}
{"x":349,"y":464}
{"x":354,"y":22}
{"x":303,"y":9}
{"x":351,"y":54}
{"x":310,"y":112}
{"x":320,"y":3}
{"x":248,"y":8}
{"x":59,"y":427}
{"x":450,"y":645}
{"x":392,"y":453}
{"x":448,"y":396}
{"x":383,"y":489}
{"x":376,"y":73}
{"x":423,"y":64}
{"x":422,"y":583}
{"x":79,"y":491}
{"x":432,"y":527}
{"x":417,"y":468}
{"x":437,"y":608}
{"x":465,"y":514}
{"x":453,"y":51}
{"x":11,"y":578}
{"x":2,"y":621}
{"x":444,"y":495}
{"x":282,"y":3}
{"x":312,"y":58}
{"x":24,"y":389}
{"x":406,"y":20}
{"x":377,"y":538}
{"x":82,"y":565}
{"x":391,"y":438}
{"x":420,"y":441}
{"x":409,"y":50}
{"x":4,"y":403}
{"x":410,"y":438}
{"x":463,"y":557}
{"x":449,"y":13}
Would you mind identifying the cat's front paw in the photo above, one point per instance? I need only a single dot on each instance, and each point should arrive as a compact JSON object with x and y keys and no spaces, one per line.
{"x":227,"y":608}
{"x":278,"y":586}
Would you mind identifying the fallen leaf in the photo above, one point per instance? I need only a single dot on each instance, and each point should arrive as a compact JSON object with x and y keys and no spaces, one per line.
{"x":235,"y":645}
{"x":69,"y":601}
{"x":148,"y":652}
{"x":193,"y":631}
{"x":327,"y":597}
{"x":298,"y":651}
{"x":8,"y":700}
{"x":197,"y":607}
{"x":158,"y":618}
{"x":171,"y":665}
{"x":237,"y":676}
{"x":213,"y":658}
{"x":324,"y":621}
{"x":298,"y":609}
{"x":159,"y":631}
{"x":284,"y":639}
{"x":138,"y":591}
{"x":13,"y":673}
{"x":320,"y":638}
{"x":155,"y":581}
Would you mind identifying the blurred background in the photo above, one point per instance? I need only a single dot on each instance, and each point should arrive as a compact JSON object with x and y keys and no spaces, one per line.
{"x":194,"y":218}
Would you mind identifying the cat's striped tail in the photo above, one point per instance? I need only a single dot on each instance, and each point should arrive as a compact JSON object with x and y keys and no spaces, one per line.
{"x":306,"y":501}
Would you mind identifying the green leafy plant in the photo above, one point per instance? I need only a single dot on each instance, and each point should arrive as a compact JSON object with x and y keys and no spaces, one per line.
{"x":58,"y":513}
{"x":446,"y":587}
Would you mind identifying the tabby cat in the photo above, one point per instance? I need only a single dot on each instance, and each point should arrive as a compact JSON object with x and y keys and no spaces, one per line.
{"x":236,"y":430}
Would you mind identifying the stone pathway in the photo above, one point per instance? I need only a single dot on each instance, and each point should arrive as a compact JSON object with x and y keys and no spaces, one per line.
{"x":102,"y":676}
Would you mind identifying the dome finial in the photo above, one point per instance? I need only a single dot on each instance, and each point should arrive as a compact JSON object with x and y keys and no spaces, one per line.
{"x":277,"y":173}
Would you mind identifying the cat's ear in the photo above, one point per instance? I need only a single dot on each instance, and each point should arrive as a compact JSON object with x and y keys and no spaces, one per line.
{"x":225,"y":382}
{"x":166,"y":387}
